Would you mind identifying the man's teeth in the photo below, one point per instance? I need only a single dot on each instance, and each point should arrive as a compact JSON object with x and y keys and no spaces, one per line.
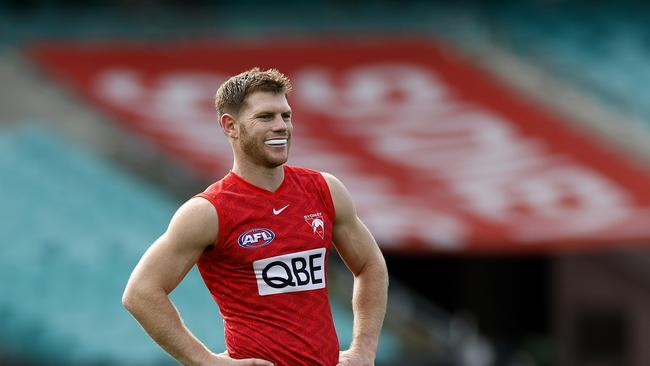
{"x":276,"y":142}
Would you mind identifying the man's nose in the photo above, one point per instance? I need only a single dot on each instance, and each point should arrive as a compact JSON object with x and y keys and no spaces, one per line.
{"x":279,"y":124}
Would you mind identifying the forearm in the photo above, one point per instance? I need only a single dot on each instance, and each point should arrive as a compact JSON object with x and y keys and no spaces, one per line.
{"x":160,"y":319}
{"x":369,"y":306}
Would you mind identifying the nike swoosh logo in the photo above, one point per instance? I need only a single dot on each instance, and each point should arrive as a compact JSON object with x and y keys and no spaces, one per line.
{"x":277,"y":212}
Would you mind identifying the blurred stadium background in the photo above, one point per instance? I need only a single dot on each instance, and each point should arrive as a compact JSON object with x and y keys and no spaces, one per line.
{"x":499,"y":150}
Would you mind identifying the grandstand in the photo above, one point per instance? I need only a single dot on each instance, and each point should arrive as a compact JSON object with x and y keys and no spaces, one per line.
{"x":563,"y":85}
{"x":70,"y":218}
{"x":67,"y":276}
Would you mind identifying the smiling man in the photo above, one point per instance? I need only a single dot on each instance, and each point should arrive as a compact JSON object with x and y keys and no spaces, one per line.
{"x":261,"y":237}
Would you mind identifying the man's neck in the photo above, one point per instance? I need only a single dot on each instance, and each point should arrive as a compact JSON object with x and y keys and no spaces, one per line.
{"x":269,"y":179}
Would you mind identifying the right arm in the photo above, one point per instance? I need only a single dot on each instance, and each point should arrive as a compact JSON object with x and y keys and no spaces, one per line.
{"x":193,"y":228}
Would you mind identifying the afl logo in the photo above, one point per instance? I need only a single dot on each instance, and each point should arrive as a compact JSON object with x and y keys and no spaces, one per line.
{"x":255,"y":238}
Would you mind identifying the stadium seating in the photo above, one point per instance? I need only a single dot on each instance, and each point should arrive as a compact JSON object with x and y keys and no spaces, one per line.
{"x":600,"y":49}
{"x":77,"y":225}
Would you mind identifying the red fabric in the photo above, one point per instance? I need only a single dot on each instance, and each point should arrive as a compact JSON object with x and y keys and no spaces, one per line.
{"x":292,"y":328}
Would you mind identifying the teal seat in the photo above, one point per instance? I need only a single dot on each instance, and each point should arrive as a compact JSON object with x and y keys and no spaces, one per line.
{"x":75,"y":225}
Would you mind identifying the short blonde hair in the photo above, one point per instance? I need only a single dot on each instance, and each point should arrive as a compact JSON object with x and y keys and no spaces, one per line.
{"x":232,"y":94}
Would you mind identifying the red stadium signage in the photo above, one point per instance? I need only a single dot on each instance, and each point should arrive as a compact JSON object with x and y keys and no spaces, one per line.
{"x":438,"y":155}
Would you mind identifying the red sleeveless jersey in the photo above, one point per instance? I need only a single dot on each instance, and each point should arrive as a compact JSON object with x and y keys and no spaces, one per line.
{"x":267,"y":269}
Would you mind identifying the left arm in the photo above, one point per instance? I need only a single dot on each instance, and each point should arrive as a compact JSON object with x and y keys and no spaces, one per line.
{"x":361,"y":254}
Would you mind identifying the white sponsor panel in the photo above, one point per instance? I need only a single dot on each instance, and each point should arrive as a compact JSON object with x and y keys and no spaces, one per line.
{"x":300,"y":271}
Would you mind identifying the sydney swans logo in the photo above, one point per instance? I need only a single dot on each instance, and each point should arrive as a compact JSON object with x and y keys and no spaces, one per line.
{"x":317,"y":224}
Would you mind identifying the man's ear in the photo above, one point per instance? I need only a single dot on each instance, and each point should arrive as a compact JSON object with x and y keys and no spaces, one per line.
{"x":227,"y":122}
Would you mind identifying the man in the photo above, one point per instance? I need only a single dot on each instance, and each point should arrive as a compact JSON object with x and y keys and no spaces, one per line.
{"x":260,"y":238}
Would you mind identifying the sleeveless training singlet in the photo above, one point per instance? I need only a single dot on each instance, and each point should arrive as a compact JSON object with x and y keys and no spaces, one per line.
{"x":267,"y":269}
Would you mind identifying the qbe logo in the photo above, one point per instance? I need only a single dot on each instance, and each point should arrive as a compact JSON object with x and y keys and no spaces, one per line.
{"x":293,"y":272}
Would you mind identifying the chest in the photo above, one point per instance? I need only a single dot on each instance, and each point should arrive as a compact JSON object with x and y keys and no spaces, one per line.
{"x":255,"y":228}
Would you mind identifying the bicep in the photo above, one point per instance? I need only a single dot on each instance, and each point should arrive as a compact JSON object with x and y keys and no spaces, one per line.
{"x":355,"y":244}
{"x":352,"y":239}
{"x":171,"y":256}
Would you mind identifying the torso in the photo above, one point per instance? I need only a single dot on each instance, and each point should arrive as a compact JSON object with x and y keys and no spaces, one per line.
{"x":267,"y":270}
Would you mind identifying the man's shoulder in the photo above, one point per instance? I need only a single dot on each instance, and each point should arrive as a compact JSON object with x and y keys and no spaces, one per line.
{"x":196,"y":206}
{"x":196,"y":219}
{"x":320,"y":178}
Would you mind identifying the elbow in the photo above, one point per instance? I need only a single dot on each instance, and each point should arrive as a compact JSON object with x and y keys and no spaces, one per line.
{"x":131,"y":298}
{"x":138,"y":297}
{"x":380,"y":265}
{"x":128,"y":300}
{"x":385,"y":273}
{"x":377,"y":270}
{"x":382,"y":271}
